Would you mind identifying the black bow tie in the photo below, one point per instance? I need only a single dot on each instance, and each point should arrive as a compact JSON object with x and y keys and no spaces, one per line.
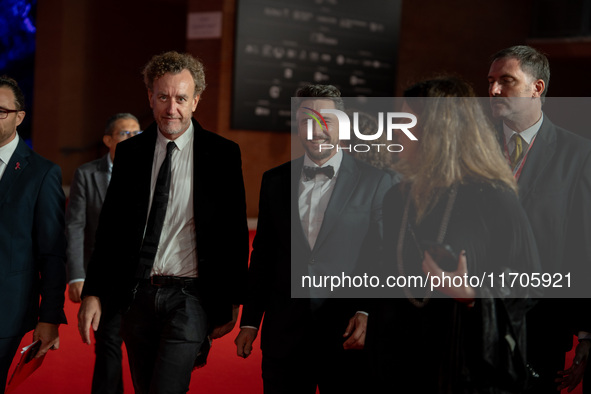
{"x":311,"y":172}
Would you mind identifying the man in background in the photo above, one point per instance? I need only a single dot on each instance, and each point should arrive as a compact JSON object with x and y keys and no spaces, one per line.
{"x":87,"y":195}
{"x":553,"y":171}
{"x":32,"y":240}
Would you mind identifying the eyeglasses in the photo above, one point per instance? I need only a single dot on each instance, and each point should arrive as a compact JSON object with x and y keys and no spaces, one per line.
{"x":4,"y":112}
{"x":127,"y":134}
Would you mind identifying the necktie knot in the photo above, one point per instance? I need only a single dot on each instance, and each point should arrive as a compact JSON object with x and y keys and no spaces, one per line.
{"x":170,"y":147}
{"x":311,"y":172}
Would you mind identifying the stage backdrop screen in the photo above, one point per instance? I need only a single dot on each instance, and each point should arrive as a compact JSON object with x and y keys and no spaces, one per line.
{"x":282,"y":45}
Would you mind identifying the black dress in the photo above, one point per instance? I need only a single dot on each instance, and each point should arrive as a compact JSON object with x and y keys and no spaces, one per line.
{"x":445,"y":346}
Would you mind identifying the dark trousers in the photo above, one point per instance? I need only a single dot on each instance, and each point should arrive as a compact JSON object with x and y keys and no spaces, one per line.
{"x":163,"y":333}
{"x":340,"y":373}
{"x":587,"y":378}
{"x":547,"y":364}
{"x":549,"y":337}
{"x":108,"y":375}
{"x":8,"y":347}
{"x":317,"y":359}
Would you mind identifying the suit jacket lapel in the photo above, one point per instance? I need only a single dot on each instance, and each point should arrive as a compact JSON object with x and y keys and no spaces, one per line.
{"x":297,"y":232}
{"x":347,"y":179}
{"x":202,"y":160}
{"x":143,"y":174}
{"x":16,"y":165}
{"x":537,"y":159}
{"x":101,"y":178}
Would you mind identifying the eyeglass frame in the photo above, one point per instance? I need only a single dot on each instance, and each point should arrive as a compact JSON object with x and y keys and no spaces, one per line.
{"x":8,"y":111}
{"x":126,"y":133}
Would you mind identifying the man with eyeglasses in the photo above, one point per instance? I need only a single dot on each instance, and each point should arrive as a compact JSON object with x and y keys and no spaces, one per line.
{"x":32,"y":241}
{"x":87,"y":194}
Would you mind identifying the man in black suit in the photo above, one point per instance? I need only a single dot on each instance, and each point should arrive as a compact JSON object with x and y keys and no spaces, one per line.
{"x":553,"y":170}
{"x":87,"y":194}
{"x":176,"y":261}
{"x":310,"y":222}
{"x":32,"y":240}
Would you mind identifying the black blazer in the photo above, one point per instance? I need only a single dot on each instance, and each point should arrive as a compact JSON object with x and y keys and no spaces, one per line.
{"x":32,"y":243}
{"x":555,"y":191}
{"x":352,"y":225}
{"x":220,"y":222}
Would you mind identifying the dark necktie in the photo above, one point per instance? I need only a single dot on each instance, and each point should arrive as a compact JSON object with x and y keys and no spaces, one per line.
{"x":156,"y":217}
{"x":311,"y":172}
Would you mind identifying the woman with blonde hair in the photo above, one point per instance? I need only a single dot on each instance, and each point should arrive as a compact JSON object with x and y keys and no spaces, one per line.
{"x":455,"y":215}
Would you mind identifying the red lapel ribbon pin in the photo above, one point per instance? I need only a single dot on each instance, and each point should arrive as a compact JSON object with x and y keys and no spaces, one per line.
{"x":18,"y":166}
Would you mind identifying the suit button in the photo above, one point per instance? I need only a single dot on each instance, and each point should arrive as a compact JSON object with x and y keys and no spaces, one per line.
{"x":313,"y":261}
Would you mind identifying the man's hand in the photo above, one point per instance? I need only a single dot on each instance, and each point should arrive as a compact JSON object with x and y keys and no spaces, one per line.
{"x":244,"y":341}
{"x":220,"y":331}
{"x":49,"y":336}
{"x":74,"y":291}
{"x":572,"y":376}
{"x":355,"y":332}
{"x":89,"y":315}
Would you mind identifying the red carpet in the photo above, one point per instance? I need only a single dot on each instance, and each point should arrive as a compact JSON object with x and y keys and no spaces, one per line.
{"x":69,"y":369}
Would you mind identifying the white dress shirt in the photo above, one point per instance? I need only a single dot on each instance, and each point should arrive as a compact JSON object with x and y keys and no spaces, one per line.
{"x":527,"y":135}
{"x":6,"y":152}
{"x":109,"y":167}
{"x":177,"y":249}
{"x":314,"y":195}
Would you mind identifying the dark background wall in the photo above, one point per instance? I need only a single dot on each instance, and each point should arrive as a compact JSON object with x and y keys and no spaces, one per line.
{"x":90,"y":53}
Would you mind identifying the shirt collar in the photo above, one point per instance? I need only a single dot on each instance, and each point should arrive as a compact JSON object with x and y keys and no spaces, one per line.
{"x":527,"y":134}
{"x":109,"y":162}
{"x":334,"y":161}
{"x":180,"y":142}
{"x":7,"y":150}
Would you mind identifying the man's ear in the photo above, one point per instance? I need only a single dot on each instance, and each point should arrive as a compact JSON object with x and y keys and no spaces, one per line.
{"x":20,"y":116}
{"x":150,"y":94}
{"x":539,"y":87}
{"x":195,"y":102}
{"x":107,"y":139}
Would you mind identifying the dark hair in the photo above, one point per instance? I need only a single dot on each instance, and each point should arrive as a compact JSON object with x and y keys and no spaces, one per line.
{"x":532,"y":61}
{"x":321,"y":91}
{"x":174,"y":63}
{"x":19,"y":97}
{"x":443,"y":86}
{"x":110,"y":126}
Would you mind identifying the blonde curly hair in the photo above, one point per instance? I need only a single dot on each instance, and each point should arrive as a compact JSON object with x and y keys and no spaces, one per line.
{"x":174,"y":63}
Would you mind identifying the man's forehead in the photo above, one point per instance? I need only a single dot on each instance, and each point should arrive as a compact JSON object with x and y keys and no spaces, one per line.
{"x":507,"y":66}
{"x":126,"y":122}
{"x":7,"y":95}
{"x":175,"y":79}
